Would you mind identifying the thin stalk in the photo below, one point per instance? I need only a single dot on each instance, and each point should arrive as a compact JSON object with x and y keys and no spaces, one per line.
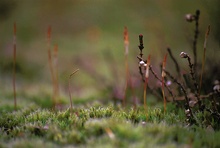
{"x":203,"y":59}
{"x":126,"y":46}
{"x":71,"y":103}
{"x":128,"y":76}
{"x":56,"y":71}
{"x":167,"y":87}
{"x":196,"y":33}
{"x":140,"y":57}
{"x":175,"y":61}
{"x":145,"y":86}
{"x":184,"y":92}
{"x":192,"y":73}
{"x":14,"y":67}
{"x":126,"y":81}
{"x":163,"y":75}
{"x":50,"y":63}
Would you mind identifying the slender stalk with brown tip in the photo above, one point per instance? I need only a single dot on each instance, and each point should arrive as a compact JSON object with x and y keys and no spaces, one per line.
{"x":14,"y":67}
{"x":50,"y":62}
{"x":71,"y":103}
{"x":163,"y":75}
{"x":128,"y":76}
{"x":126,"y":45}
{"x":203,"y":59}
{"x":145,"y":86}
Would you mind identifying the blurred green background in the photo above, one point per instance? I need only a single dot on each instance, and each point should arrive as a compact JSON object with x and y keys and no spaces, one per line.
{"x":89,"y":35}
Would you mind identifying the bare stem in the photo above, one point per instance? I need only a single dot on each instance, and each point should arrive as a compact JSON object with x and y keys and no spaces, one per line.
{"x":50,"y":63}
{"x":183,"y":89}
{"x":71,"y":103}
{"x":14,"y":68}
{"x":168,"y":88}
{"x":163,"y":75}
{"x":145,"y":86}
{"x":175,"y":62}
{"x":196,"y":38}
{"x":204,"y":55}
{"x":192,"y":73}
{"x":128,"y":76}
{"x":56,"y":82}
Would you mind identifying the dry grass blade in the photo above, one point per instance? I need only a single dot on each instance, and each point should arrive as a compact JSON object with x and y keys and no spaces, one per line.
{"x":203,"y":59}
{"x":71,"y":103}
{"x":110,"y":133}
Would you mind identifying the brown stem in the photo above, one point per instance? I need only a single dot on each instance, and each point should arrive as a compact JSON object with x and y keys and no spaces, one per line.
{"x":196,"y":38}
{"x":203,"y":59}
{"x":175,"y":62}
{"x":183,"y":89}
{"x":192,"y":73}
{"x":14,"y":68}
{"x":50,"y":63}
{"x":71,"y":103}
{"x":56,"y":82}
{"x":168,"y":88}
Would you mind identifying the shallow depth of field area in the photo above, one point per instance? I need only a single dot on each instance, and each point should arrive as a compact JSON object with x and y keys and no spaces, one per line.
{"x":109,"y":73}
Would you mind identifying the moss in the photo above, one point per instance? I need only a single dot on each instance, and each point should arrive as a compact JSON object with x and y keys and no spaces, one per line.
{"x":88,"y":127}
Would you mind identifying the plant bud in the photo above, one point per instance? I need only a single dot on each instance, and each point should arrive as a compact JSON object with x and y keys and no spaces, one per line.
{"x":189,"y":17}
{"x":142,"y":63}
{"x":183,"y":55}
{"x":187,"y":111}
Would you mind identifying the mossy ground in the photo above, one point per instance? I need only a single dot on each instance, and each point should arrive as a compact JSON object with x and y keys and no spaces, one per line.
{"x":99,"y":126}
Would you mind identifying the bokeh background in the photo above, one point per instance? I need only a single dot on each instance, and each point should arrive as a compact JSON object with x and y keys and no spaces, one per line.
{"x":89,"y":35}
